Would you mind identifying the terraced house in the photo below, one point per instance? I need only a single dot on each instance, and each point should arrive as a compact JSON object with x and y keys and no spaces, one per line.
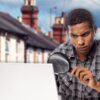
{"x":23,"y":41}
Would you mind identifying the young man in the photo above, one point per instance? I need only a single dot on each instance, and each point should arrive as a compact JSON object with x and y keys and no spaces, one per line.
{"x":83,"y":52}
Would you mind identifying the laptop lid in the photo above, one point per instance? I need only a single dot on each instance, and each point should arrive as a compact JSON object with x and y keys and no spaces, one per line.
{"x":27,"y":82}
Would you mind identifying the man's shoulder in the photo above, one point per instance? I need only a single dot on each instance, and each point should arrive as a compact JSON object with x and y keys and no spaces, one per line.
{"x":64,"y":45}
{"x":62,"y":48}
{"x":97,"y":44}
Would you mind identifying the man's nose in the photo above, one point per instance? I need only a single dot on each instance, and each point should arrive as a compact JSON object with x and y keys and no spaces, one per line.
{"x":80,"y":41}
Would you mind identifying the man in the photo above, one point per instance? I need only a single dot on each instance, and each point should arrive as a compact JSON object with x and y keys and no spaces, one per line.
{"x":83,"y":52}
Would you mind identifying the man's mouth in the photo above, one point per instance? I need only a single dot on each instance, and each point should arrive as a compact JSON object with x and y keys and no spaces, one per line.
{"x":83,"y":48}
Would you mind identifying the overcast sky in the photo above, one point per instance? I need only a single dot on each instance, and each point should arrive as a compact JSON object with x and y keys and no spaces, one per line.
{"x":45,"y":17}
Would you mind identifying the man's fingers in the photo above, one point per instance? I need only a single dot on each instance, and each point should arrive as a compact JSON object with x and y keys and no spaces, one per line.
{"x":81,"y":72}
{"x":82,"y":75}
{"x":86,"y":78}
{"x":78,"y":71}
{"x":73,"y":71}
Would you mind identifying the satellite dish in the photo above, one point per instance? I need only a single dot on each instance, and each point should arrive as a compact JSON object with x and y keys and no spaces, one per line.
{"x":60,"y":63}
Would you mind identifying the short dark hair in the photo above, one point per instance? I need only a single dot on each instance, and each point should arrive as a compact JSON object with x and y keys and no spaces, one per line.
{"x":80,"y":15}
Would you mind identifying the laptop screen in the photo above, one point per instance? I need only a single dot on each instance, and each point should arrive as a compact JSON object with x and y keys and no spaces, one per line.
{"x":27,"y":82}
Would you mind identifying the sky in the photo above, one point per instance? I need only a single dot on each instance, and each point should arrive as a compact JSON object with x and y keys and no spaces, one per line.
{"x":48,"y":9}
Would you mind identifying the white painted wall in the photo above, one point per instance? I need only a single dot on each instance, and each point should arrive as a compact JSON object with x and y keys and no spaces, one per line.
{"x":12,"y":50}
{"x":2,"y":56}
{"x":18,"y":56}
{"x":39,"y":58}
{"x":13,"y":56}
{"x":21,"y":50}
{"x":46,"y":54}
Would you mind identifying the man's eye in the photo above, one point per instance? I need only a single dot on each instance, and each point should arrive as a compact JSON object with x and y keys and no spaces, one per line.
{"x":85,"y":34}
{"x":74,"y":36}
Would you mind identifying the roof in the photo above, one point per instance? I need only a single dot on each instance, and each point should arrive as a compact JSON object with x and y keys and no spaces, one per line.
{"x":42,"y":39}
{"x":7,"y":25}
{"x":39,"y":40}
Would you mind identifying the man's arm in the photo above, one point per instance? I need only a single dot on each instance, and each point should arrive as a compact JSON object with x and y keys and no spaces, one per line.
{"x":65,"y":82}
{"x":86,"y":77}
{"x":97,"y":86}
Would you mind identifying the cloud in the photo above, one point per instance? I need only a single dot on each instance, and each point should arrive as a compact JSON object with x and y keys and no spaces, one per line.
{"x":56,"y":6}
{"x":67,"y":5}
{"x":88,"y":4}
{"x":51,"y":4}
{"x":11,"y":2}
{"x":46,"y":21}
{"x":97,"y":2}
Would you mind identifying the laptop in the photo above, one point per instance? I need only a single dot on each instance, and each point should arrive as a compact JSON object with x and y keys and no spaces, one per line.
{"x":20,"y":81}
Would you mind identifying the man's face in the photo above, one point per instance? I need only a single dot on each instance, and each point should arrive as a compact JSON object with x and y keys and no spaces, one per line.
{"x":81,"y":36}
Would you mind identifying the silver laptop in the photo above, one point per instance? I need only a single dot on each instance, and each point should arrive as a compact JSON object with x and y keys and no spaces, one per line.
{"x":27,"y":82}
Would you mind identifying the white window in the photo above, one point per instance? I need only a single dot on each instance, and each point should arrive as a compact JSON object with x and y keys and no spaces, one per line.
{"x":6,"y":57}
{"x":7,"y":40}
{"x":39,"y":56}
{"x":30,"y":57}
{"x":7,"y":46}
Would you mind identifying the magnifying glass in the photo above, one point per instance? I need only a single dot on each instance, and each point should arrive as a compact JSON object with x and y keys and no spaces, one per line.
{"x":60,"y":63}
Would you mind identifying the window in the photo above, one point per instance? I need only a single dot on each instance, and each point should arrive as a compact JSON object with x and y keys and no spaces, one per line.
{"x":6,"y":57}
{"x":39,"y":56}
{"x":16,"y":47}
{"x":7,"y":45}
{"x":28,"y":58}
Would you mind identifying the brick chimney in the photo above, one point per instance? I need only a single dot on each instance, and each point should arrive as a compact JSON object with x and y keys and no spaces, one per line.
{"x":30,"y":14}
{"x":59,"y":29}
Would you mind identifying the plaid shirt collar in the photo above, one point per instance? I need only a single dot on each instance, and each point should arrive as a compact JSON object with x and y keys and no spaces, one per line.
{"x":72,"y":53}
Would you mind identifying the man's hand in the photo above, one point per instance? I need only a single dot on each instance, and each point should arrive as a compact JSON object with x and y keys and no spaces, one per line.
{"x":85,"y":76}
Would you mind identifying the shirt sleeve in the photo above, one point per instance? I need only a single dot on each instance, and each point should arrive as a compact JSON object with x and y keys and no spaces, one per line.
{"x":92,"y":92}
{"x":65,"y":82}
